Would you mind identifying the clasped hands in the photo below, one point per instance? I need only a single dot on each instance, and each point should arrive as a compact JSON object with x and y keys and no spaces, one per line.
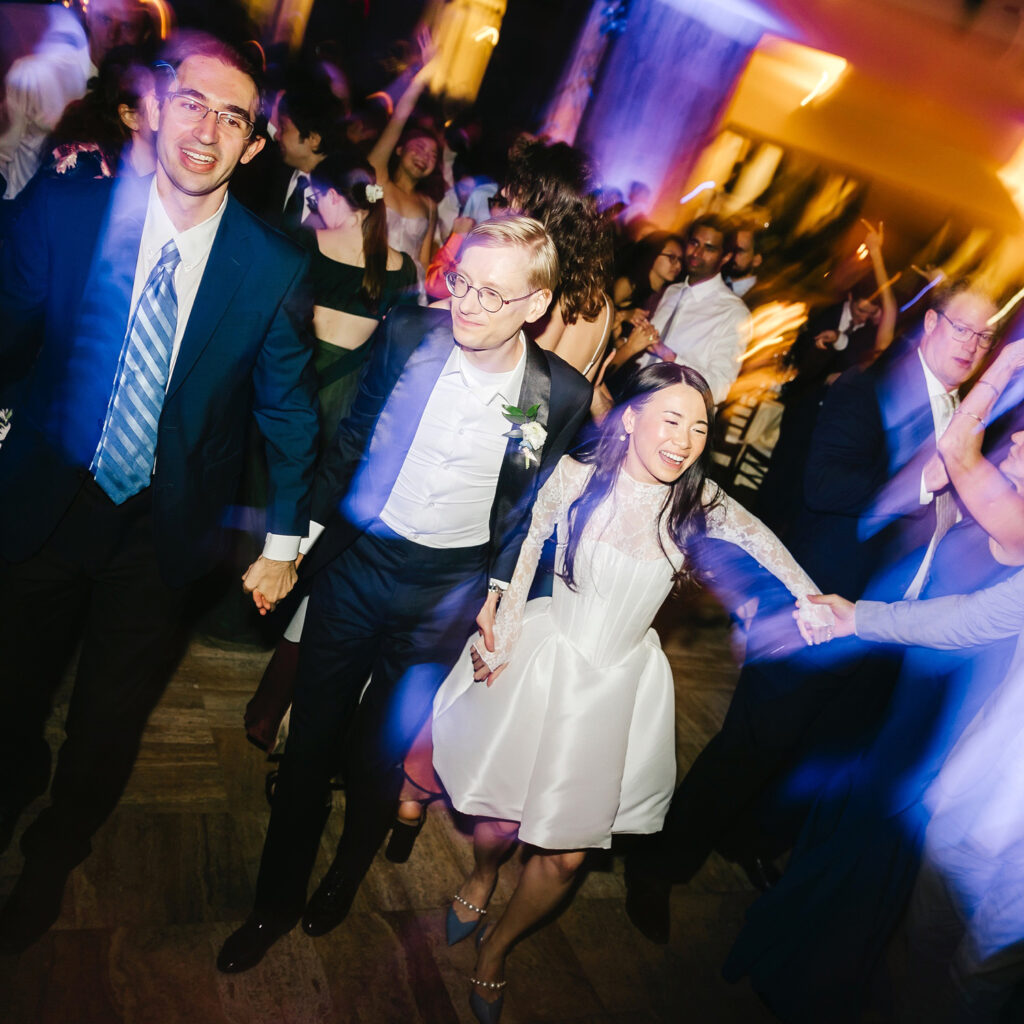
{"x":269,"y":581}
{"x":824,"y":617}
{"x":485,"y":623}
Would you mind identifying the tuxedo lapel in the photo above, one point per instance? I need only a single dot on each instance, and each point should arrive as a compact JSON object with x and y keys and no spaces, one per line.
{"x":224,"y":271}
{"x":517,"y":479}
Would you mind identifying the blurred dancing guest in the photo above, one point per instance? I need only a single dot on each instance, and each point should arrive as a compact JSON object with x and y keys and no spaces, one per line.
{"x":966,"y":925}
{"x":572,"y":740}
{"x":158,"y":325}
{"x":657,"y":261}
{"x":812,"y":945}
{"x":405,"y":162}
{"x":426,"y":498}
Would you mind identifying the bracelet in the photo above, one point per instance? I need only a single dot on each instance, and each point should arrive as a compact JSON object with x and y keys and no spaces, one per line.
{"x":989,"y":384}
{"x":964,"y":412}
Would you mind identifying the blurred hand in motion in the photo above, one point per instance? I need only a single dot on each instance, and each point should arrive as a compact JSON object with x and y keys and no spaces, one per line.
{"x":825,"y":339}
{"x":935,"y":476}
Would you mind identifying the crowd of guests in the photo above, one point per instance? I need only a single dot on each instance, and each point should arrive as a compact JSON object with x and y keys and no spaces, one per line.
{"x":450,"y":360}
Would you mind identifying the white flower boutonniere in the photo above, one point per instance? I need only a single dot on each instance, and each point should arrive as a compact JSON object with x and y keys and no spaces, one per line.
{"x":530,"y":434}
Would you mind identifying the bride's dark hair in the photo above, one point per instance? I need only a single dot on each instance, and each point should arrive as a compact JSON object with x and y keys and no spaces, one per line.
{"x":684,"y":509}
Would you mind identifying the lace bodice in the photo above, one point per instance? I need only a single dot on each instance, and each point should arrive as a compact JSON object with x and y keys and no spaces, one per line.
{"x":631,"y":584}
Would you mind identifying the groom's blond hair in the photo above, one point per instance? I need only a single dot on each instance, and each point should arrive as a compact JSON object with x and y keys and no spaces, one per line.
{"x":526,"y":233}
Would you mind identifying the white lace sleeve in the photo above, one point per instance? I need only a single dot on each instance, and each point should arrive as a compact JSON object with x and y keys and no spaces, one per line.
{"x":730,"y":521}
{"x":560,"y":490}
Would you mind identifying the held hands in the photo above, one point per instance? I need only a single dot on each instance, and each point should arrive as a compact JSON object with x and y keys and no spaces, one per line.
{"x":269,"y":582}
{"x":839,"y":610}
{"x":485,"y":621}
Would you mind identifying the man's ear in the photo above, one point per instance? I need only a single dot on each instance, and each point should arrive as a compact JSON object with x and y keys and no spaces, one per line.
{"x":256,"y":144}
{"x":756,"y":261}
{"x":931,"y":319}
{"x":314,"y":139}
{"x":537,"y":305}
{"x":151,"y":111}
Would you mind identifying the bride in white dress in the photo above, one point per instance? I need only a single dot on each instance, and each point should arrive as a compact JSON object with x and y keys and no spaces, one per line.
{"x":563,"y":734}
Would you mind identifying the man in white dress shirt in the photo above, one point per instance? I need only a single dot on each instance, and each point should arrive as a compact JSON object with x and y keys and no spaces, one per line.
{"x":426,"y":498}
{"x":700,"y":321}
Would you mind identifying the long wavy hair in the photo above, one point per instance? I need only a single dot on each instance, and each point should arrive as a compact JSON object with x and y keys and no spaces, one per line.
{"x":553,"y":183}
{"x":684,"y":509}
{"x":348,"y":173}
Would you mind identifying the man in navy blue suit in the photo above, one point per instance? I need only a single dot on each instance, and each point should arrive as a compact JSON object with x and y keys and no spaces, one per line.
{"x":154,"y":317}
{"x":426,"y":497}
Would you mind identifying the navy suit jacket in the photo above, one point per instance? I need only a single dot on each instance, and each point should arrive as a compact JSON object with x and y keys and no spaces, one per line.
{"x":357,"y":475}
{"x":66,"y":280}
{"x":862,"y":514}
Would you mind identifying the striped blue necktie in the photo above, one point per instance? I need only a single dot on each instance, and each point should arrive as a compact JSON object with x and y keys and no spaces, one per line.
{"x":123,"y":463}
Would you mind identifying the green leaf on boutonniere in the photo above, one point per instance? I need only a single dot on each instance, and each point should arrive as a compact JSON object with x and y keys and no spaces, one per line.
{"x":515,"y":414}
{"x":532,"y":411}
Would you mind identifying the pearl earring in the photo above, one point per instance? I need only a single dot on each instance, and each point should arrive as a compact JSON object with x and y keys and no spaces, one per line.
{"x":623,"y":437}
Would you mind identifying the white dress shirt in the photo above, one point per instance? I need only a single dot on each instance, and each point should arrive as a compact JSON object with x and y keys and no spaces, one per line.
{"x":943,"y":403}
{"x":445,"y":488}
{"x":708,"y":328}
{"x":194,"y":247}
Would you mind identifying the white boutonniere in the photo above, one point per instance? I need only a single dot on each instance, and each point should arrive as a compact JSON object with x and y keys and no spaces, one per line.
{"x":525,"y":428}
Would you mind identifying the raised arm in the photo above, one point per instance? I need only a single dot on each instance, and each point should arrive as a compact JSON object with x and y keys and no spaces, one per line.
{"x":887,"y":323}
{"x":385,"y":145}
{"x":987,"y":495}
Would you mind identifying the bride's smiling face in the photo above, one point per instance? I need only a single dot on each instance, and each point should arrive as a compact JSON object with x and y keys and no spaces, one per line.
{"x":667,"y":434}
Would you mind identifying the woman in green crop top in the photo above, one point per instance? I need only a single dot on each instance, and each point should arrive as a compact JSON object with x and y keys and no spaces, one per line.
{"x":356,"y":278}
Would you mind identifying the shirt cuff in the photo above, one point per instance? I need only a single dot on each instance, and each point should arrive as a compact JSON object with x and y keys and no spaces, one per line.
{"x":502,"y":584}
{"x":315,"y":529}
{"x":280,"y":548}
{"x":926,"y":495}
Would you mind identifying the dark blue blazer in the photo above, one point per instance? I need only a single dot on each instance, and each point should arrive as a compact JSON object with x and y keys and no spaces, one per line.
{"x":66,"y":281}
{"x":862,"y":514}
{"x":357,"y":475}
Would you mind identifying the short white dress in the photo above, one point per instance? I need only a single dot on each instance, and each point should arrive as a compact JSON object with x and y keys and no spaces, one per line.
{"x":575,"y":739}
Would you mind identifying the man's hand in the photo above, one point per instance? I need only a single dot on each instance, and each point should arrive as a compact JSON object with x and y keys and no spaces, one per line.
{"x":842,"y":610}
{"x":825,"y":339}
{"x":662,"y":352}
{"x":269,"y":582}
{"x":480,"y":669}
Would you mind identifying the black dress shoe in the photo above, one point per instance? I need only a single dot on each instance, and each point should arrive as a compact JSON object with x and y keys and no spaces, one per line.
{"x":331,"y":902}
{"x":33,"y":906}
{"x":403,"y":838}
{"x":761,"y":872}
{"x":246,"y":947}
{"x":647,"y":906}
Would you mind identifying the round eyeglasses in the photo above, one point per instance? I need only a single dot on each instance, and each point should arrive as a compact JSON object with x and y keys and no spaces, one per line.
{"x":189,"y":109}
{"x":490,"y":300}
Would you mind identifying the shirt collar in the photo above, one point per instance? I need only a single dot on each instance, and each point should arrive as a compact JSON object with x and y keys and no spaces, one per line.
{"x":936,"y":389}
{"x":487,"y":386}
{"x":705,"y":289}
{"x":193,"y":245}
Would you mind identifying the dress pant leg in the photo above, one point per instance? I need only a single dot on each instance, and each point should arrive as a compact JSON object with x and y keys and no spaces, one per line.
{"x":431,"y":623}
{"x":131,"y":643}
{"x":340,"y":639}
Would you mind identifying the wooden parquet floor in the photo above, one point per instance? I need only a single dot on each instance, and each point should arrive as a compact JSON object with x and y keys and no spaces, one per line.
{"x":173,"y":870}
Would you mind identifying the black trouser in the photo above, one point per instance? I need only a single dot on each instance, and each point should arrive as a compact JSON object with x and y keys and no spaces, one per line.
{"x":392,"y":610}
{"x":98,"y":572}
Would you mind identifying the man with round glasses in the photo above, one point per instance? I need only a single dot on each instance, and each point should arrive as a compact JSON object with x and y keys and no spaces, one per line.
{"x":156,"y":316}
{"x":426,"y":496}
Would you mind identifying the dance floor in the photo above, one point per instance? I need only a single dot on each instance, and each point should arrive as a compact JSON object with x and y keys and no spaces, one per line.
{"x":172,"y":875}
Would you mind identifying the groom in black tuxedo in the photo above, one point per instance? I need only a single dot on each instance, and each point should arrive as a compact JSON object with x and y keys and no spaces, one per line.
{"x":426,"y":501}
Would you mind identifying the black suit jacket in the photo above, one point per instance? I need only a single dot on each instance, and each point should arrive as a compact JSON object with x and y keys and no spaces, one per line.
{"x":862,"y":512}
{"x":66,"y":280}
{"x":357,"y":475}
